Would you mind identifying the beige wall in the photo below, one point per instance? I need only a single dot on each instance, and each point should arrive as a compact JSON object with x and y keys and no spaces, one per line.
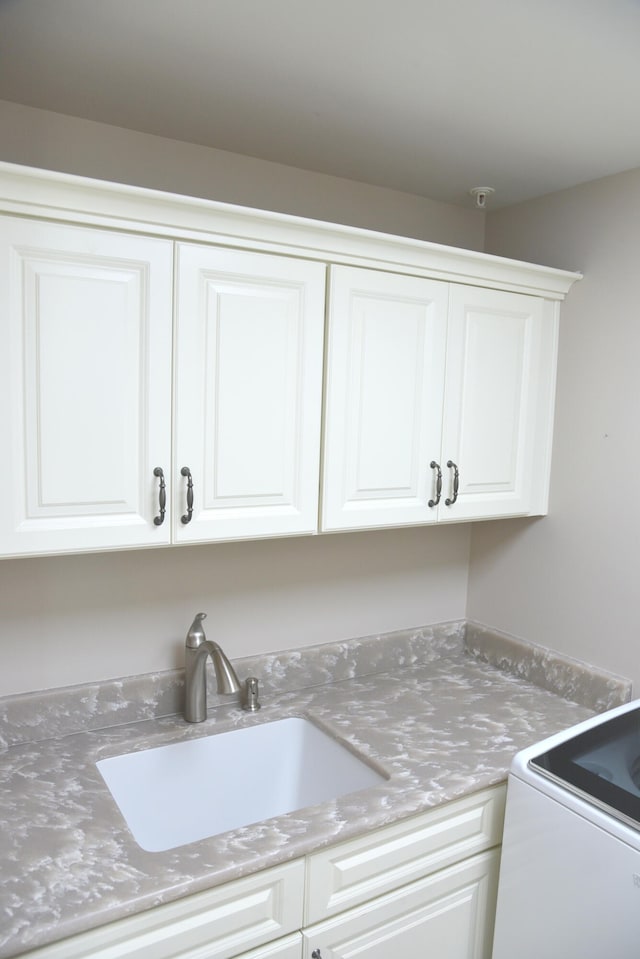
{"x":567,"y":581}
{"x":55,"y":142}
{"x":570,"y":581}
{"x":76,"y":619}
{"x":73,"y":619}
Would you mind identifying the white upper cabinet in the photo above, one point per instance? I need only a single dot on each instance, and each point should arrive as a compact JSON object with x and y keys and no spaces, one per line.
{"x":87,"y":391}
{"x":384,"y":396}
{"x":412,"y":437}
{"x":162,"y":362}
{"x":85,"y":387}
{"x":249,"y":342}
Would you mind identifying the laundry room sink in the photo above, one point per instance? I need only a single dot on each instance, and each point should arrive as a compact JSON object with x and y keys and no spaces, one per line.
{"x":183,"y":792}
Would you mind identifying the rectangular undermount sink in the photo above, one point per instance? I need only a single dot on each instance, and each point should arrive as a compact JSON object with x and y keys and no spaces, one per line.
{"x":176,"y":794}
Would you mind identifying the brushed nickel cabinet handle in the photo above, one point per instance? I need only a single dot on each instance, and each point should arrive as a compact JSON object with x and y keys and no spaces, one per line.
{"x":436,"y":466}
{"x":186,"y":518}
{"x":162,"y":497}
{"x":456,"y":483}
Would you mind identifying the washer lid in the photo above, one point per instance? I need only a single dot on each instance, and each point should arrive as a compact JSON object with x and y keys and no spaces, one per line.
{"x":601,"y":764}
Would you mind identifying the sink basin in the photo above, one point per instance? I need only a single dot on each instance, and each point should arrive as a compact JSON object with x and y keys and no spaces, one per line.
{"x":176,"y":794}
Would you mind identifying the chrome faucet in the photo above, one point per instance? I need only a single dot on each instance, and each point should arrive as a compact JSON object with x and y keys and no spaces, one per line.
{"x":197,"y":649}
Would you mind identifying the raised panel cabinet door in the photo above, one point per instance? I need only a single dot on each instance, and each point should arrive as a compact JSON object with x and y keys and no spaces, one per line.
{"x":288,"y":948}
{"x":250,"y":330}
{"x":85,"y":387}
{"x":498,"y":419}
{"x":449,"y":914}
{"x":384,"y":394}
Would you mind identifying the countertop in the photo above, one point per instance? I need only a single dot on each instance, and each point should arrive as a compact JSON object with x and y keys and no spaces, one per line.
{"x":440,"y":729}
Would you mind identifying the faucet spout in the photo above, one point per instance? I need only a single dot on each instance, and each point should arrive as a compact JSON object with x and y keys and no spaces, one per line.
{"x":226,"y":677}
{"x":197,"y":649}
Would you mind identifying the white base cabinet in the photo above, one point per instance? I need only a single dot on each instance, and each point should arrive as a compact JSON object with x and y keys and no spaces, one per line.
{"x":423,"y":886}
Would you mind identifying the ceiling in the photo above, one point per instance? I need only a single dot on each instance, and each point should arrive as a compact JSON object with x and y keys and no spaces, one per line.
{"x":432,"y":97}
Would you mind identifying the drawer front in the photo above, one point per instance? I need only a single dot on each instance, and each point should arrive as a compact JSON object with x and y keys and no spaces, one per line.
{"x":449,"y":914}
{"x":217,"y":924}
{"x":344,"y":876}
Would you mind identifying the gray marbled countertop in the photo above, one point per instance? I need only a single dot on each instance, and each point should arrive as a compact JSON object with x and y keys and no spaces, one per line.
{"x":440,"y":728}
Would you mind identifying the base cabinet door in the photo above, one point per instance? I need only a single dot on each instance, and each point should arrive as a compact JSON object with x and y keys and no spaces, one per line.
{"x":449,"y":914}
{"x":248,"y":396}
{"x":288,"y":948}
{"x":499,"y":398}
{"x":85,"y":387}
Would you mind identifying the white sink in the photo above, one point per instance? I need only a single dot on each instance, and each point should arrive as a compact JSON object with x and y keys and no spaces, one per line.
{"x":176,"y":794}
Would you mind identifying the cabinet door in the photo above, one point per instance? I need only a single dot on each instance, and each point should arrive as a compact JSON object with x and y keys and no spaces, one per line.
{"x":85,"y":387}
{"x":449,"y":914}
{"x":383,"y":420}
{"x":288,"y":948}
{"x":498,"y":420}
{"x":250,"y":331}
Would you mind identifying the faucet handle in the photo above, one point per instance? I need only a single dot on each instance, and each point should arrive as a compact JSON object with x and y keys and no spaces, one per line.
{"x":251,"y":693}
{"x":195,"y":636}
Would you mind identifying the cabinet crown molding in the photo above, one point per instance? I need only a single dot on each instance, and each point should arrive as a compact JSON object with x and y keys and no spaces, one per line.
{"x":28,"y":191}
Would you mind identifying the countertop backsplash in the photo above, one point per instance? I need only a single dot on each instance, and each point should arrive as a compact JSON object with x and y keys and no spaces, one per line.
{"x":570,"y":678}
{"x":52,"y":713}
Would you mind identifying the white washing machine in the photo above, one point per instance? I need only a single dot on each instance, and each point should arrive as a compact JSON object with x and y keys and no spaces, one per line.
{"x":569,"y":883}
